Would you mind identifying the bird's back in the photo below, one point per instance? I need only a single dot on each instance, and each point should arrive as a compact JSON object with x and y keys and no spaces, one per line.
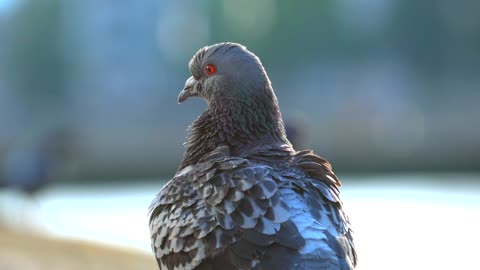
{"x":270,"y":209}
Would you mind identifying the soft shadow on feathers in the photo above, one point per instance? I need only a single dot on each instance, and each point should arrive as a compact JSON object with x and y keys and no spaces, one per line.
{"x":243,"y":198}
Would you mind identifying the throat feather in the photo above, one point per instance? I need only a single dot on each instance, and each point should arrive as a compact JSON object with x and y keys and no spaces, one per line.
{"x":235,"y":124}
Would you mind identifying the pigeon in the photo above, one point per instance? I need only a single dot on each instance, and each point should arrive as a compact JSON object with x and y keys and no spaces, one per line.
{"x":242,"y":197}
{"x":28,"y":168}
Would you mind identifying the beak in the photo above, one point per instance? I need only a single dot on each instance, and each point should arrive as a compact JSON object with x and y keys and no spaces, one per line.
{"x":188,"y":90}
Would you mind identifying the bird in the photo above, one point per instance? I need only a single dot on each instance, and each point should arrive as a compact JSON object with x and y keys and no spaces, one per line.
{"x":243,"y":197}
{"x":29,"y":167}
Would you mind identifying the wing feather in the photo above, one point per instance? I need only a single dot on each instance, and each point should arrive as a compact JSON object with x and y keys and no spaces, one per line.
{"x":229,"y":212}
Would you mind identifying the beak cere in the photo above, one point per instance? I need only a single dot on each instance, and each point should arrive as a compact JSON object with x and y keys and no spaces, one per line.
{"x":188,"y":91}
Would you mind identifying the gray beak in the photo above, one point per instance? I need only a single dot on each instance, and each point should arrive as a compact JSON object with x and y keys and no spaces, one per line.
{"x":188,"y":90}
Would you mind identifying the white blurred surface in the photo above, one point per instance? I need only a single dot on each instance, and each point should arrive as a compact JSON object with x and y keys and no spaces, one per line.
{"x":405,"y":226}
{"x":415,"y":229}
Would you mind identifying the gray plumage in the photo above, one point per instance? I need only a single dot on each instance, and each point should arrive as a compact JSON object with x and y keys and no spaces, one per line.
{"x":243,"y":198}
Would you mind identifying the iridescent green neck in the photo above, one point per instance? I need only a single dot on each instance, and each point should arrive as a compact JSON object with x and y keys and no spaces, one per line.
{"x":239,"y":123}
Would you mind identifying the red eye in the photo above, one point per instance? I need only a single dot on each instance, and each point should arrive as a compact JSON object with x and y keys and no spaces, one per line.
{"x":210,"y":69}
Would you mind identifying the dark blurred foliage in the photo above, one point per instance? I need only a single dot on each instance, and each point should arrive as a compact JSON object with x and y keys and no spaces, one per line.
{"x":371,"y":85}
{"x":37,"y":66}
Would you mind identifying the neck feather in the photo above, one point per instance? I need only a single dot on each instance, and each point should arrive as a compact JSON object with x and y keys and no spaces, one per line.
{"x":241,"y":124}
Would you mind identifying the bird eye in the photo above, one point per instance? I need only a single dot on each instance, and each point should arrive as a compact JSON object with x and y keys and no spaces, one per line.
{"x":210,"y":69}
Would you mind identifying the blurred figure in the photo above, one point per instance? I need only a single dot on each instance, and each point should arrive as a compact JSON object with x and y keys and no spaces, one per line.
{"x":29,"y":168}
{"x":294,"y":133}
{"x":26,"y":169}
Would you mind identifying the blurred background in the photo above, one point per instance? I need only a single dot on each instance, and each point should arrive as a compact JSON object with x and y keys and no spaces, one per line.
{"x":388,"y":91}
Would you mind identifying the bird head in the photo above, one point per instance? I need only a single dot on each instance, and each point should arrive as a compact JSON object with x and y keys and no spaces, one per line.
{"x":224,"y":70}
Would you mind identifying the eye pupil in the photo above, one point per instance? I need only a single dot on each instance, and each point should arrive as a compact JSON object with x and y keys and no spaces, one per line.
{"x":210,"y":69}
